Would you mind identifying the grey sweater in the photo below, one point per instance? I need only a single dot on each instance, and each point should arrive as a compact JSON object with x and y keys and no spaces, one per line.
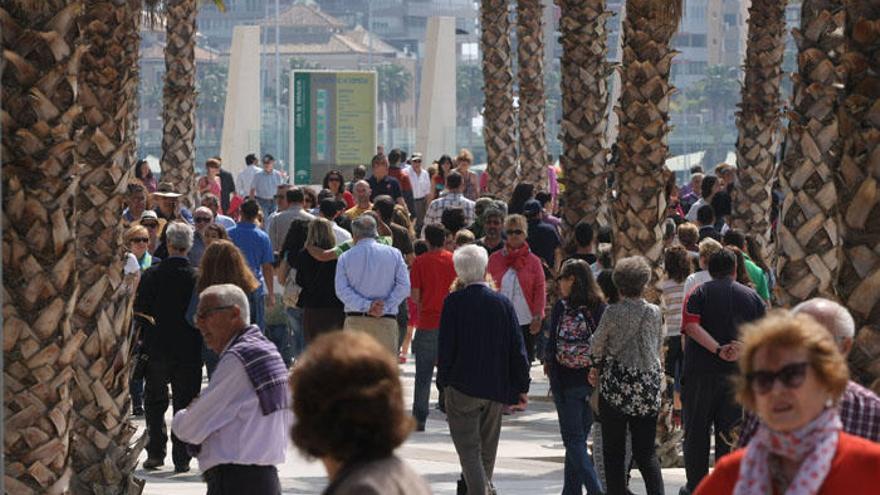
{"x":631,"y":332}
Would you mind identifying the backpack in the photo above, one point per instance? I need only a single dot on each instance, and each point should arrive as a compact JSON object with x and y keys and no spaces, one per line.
{"x":573,"y":339}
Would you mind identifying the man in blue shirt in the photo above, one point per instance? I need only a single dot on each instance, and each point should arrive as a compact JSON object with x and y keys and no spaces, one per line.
{"x":257,"y":250}
{"x":264,"y":185}
{"x":372,"y":280}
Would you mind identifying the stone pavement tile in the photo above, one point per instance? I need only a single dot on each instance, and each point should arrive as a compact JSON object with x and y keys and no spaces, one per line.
{"x":530,"y":455}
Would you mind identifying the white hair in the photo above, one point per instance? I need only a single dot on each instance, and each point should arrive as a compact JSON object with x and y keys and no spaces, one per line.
{"x":204,"y":209}
{"x":229,"y":295}
{"x":179,"y":236}
{"x":364,"y":226}
{"x":470,"y":263}
{"x":830,"y":314}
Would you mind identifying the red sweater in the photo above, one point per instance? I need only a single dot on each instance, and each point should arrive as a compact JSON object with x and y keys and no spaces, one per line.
{"x":531,"y":279}
{"x":855,"y":470}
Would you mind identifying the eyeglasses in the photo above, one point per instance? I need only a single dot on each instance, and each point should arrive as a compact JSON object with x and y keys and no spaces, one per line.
{"x":204,"y":313}
{"x":334,"y":179}
{"x":140,"y":239}
{"x":150,"y":225}
{"x":202,"y":219}
{"x":791,"y":376}
{"x":514,"y":232}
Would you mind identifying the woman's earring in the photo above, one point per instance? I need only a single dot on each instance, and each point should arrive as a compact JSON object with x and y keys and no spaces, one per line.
{"x":829,"y":403}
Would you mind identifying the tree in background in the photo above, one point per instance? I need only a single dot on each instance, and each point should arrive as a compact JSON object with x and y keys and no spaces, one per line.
{"x":718,"y":92}
{"x":395,"y":84}
{"x":532,"y":133}
{"x":468,"y":93}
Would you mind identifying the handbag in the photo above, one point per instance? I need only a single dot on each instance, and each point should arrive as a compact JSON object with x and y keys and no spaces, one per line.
{"x":573,"y":339}
{"x":291,"y":290}
{"x":632,"y":391}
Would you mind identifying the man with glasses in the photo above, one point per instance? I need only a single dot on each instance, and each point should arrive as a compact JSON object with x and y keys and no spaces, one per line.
{"x":265,"y":184}
{"x":201,"y":219}
{"x":212,"y":203}
{"x":421,"y":189}
{"x":174,"y":347}
{"x":711,"y":319}
{"x":452,"y":199}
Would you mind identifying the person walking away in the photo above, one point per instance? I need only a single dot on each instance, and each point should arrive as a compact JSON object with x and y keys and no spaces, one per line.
{"x":227,"y":187}
{"x":257,"y":250}
{"x":626,"y":348}
{"x":246,"y":176}
{"x":431,"y":276}
{"x":709,"y":187}
{"x":792,"y":376}
{"x":453,"y":198}
{"x":402,"y":241}
{"x":355,"y":444}
{"x":173,"y":346}
{"x":293,"y":244}
{"x":519,"y":276}
{"x":372,"y":281}
{"x":329,"y":209}
{"x":237,"y":423}
{"x":714,"y":311}
{"x":281,"y":223}
{"x":566,"y":363}
{"x":543,"y":238}
{"x":422,"y":189}
{"x":223,"y":263}
{"x":757,"y":276}
{"x":323,"y":312}
{"x":677,"y":265}
{"x":481,"y":366}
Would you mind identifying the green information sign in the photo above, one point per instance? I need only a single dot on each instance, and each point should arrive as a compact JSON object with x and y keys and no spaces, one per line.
{"x":334,"y":122}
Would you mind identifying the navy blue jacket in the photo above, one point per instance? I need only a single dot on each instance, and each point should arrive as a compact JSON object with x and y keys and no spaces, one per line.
{"x":480,"y":346}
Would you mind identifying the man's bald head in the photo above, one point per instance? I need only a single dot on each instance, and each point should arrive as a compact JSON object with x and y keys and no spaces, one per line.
{"x":834,"y":317}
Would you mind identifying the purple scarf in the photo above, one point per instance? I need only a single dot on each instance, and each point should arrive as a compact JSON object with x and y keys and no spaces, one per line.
{"x":264,"y":367}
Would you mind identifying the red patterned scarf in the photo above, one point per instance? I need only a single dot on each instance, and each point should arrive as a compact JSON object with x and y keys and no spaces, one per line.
{"x":516,"y":258}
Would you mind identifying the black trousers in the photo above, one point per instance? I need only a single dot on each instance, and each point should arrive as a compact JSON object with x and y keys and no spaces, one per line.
{"x":185,"y":381}
{"x":529,"y":340}
{"x":707,"y":401}
{"x":643,"y":430}
{"x":237,"y":479}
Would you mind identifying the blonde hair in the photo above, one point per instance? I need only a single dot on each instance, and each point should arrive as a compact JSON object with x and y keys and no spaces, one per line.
{"x":464,"y":237}
{"x":781,"y":329}
{"x":466,"y":155}
{"x":320,"y":234}
{"x":518,"y":221}
{"x":708,"y":247}
{"x":133,"y":231}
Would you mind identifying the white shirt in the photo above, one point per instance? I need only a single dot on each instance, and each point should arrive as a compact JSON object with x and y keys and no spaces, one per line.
{"x":226,"y":420}
{"x":341,"y":234}
{"x":245,"y":178}
{"x":510,"y":287}
{"x":691,"y":215}
{"x":695,"y":280}
{"x":421,"y":183}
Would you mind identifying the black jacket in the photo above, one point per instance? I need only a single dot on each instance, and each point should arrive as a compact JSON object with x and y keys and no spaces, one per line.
{"x":227,"y":188}
{"x":164,"y":293}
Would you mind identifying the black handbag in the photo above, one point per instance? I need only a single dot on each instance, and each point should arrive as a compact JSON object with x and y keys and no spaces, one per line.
{"x":139,"y":356}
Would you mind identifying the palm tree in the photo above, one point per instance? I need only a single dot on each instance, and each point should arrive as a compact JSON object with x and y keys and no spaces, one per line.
{"x":759,"y":119}
{"x":103,"y":453}
{"x":179,"y":97}
{"x":585,"y":72}
{"x":530,"y":51}
{"x":468,"y":93}
{"x":39,"y":253}
{"x":808,"y":242}
{"x":499,"y":119}
{"x":395,"y":83}
{"x":858,"y":283}
{"x":640,"y":174}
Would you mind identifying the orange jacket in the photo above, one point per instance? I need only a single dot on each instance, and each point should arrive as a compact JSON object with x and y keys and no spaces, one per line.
{"x":855,"y":470}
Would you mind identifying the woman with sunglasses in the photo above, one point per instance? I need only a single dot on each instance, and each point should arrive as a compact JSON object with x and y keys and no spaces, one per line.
{"x":519,"y":275}
{"x":792,"y":376}
{"x":137,"y":240}
{"x":444,"y":166}
{"x":335,"y":183}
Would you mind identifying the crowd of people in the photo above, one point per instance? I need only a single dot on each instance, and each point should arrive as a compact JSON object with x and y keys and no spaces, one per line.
{"x":339,"y":284}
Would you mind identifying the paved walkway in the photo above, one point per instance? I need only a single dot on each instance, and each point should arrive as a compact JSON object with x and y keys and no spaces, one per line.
{"x":530,"y":455}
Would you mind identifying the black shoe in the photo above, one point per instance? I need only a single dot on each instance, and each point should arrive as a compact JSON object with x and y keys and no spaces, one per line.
{"x":137,"y":411}
{"x":152,"y":463}
{"x":181,"y":469}
{"x":684,"y":491}
{"x":420,"y":427}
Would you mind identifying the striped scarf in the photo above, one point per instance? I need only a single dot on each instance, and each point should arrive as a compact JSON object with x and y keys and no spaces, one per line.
{"x":264,"y":367}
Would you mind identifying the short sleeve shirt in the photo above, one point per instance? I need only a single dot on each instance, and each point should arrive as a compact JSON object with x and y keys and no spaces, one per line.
{"x":255,"y":246}
{"x":401,"y":239}
{"x":388,"y":186}
{"x":432,"y":273}
{"x":543,"y":241}
{"x":720,"y":306}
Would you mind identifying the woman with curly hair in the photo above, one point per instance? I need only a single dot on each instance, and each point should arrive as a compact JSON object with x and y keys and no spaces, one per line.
{"x":348,"y":401}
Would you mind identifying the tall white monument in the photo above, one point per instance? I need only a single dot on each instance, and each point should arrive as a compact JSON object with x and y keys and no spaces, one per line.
{"x":436,"y":113}
{"x":242,"y":116}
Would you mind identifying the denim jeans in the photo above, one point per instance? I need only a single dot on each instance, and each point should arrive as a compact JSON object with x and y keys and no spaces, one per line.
{"x":575,"y":418}
{"x":424,"y":346}
{"x":268,"y":207}
{"x":295,"y":323}
{"x":280,"y":336}
{"x":257,"y":302}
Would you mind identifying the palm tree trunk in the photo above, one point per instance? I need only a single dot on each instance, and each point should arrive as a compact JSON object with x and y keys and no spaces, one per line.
{"x":858,"y":283}
{"x":499,"y":119}
{"x":39,"y":107}
{"x":584,"y":81}
{"x":760,"y":118}
{"x":179,"y":98}
{"x":808,"y":241}
{"x":103,"y":455}
{"x":640,"y":173}
{"x":532,"y":132}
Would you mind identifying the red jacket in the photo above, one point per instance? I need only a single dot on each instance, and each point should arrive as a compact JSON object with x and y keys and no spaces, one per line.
{"x":531,"y":279}
{"x":854,"y":470}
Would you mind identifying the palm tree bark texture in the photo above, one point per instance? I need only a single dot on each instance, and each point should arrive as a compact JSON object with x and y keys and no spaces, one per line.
{"x":532,"y":129}
{"x":858,"y":283}
{"x":39,"y":108}
{"x":808,"y":236}
{"x":179,"y":98}
{"x":643,"y":109}
{"x":499,"y":128}
{"x":759,"y":119}
{"x":103,"y":455}
{"x":584,"y":81}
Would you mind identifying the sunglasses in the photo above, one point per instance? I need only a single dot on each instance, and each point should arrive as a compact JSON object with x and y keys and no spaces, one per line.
{"x":334,"y":179}
{"x":514,"y":232}
{"x":791,"y":376}
{"x":202,"y":220}
{"x":150,"y":225}
{"x":140,"y":239}
{"x":204,"y":313}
